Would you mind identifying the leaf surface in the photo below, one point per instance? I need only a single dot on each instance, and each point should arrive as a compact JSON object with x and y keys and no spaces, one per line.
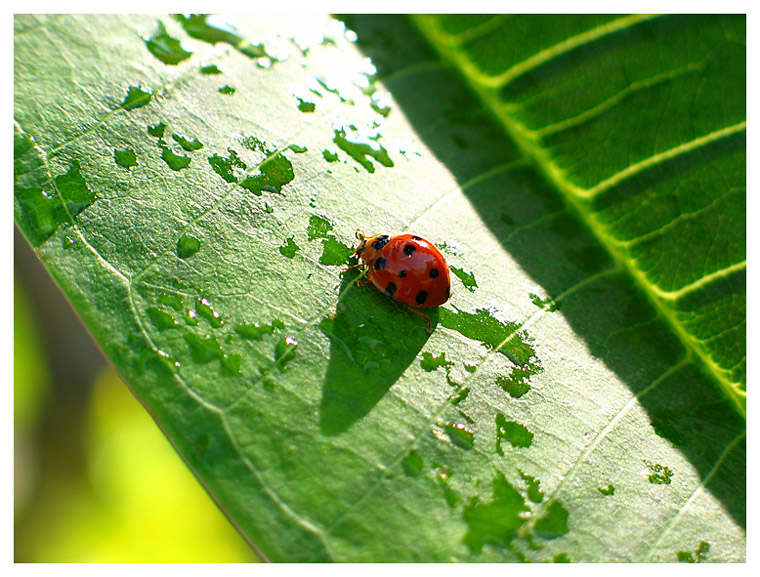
{"x":194,"y":189}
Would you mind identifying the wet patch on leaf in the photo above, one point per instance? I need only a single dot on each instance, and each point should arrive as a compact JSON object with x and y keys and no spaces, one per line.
{"x":166,"y":48}
{"x":413,"y":464}
{"x":514,"y":433}
{"x":213,"y":30}
{"x":660,"y":475}
{"x":362,"y":148}
{"x":698,"y":556}
{"x":136,"y":98}
{"x":290,"y":248}
{"x":467,"y":278}
{"x":554,"y":522}
{"x":187,"y":246}
{"x":204,"y":349}
{"x":255,"y":331}
{"x":547,"y":304}
{"x":607,"y":490}
{"x":431,"y":362}
{"x":125,"y":157}
{"x":461,"y":435}
{"x":497,"y":521}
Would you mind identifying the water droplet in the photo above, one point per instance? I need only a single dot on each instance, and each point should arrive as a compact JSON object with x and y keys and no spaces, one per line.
{"x":467,"y":278}
{"x":157,"y":130}
{"x":284,"y":352}
{"x":660,"y":475}
{"x":228,"y":168}
{"x":125,"y":158}
{"x":516,"y":382}
{"x":43,"y":211}
{"x":226,"y":89}
{"x":171,"y":158}
{"x":187,"y":246}
{"x":305,"y":105}
{"x":167,"y":49}
{"x":213,"y":29}
{"x":210,"y":69}
{"x":513,"y":432}
{"x":495,"y":522}
{"x":255,"y":331}
{"x":698,"y":556}
{"x":68,"y":242}
{"x":205,"y":349}
{"x":161,"y":319}
{"x":274,"y":173}
{"x":413,"y":464}
{"x":362,"y":147}
{"x":297,"y":148}
{"x":203,"y":309}
{"x":174,"y":301}
{"x":74,"y":191}
{"x":504,"y":336}
{"x":535,"y":493}
{"x":379,"y":104}
{"x":186,"y":143}
{"x":334,"y":252}
{"x":290,"y":248}
{"x":608,"y":490}
{"x":319,"y":227}
{"x":547,"y":304}
{"x":136,"y":98}
{"x":191,"y":318}
{"x":460,"y":435}
{"x":330,"y":155}
{"x":431,"y":362}
{"x":554,"y":522}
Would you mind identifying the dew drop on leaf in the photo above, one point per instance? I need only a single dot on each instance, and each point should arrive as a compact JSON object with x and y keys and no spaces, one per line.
{"x":136,"y":98}
{"x":166,"y":48}
{"x":187,"y":246}
{"x":125,"y":157}
{"x":460,"y":435}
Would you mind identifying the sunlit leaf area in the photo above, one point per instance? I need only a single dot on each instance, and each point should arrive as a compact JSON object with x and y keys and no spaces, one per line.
{"x":197,"y":378}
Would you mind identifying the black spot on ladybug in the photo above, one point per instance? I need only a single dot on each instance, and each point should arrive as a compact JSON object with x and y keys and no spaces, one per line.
{"x":421,"y":297}
{"x":360,"y":250}
{"x":402,"y":273}
{"x":433,"y":273}
{"x":380,"y":263}
{"x":390,"y":289}
{"x":416,"y":238}
{"x":409,"y":249}
{"x":381,"y":242}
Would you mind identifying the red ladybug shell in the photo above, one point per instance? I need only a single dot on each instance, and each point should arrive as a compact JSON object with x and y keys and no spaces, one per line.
{"x":407,"y":268}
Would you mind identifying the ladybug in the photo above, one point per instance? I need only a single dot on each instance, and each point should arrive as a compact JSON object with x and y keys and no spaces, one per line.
{"x":407,"y":268}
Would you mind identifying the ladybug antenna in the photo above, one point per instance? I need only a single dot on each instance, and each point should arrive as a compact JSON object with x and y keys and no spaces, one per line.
{"x":360,"y":235}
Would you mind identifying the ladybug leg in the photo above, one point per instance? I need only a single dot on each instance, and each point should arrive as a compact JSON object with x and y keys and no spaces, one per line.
{"x":363,"y":282}
{"x":424,"y":316}
{"x":361,"y":264}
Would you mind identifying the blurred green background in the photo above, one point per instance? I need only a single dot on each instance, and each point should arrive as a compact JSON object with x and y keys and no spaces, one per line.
{"x":95,"y":479}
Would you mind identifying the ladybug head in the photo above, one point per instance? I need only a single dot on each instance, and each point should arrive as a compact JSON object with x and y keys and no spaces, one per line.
{"x":370,"y":245}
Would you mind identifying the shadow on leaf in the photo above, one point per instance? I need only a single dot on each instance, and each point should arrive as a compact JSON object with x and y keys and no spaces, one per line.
{"x":372,"y":342}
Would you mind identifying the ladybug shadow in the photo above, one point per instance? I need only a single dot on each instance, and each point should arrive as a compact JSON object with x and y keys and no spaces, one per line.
{"x":373,"y":339}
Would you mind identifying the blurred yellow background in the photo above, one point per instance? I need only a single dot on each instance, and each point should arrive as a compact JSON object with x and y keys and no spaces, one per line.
{"x":95,"y":479}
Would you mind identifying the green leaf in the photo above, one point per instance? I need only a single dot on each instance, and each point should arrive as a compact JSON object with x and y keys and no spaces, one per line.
{"x":592,"y":340}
